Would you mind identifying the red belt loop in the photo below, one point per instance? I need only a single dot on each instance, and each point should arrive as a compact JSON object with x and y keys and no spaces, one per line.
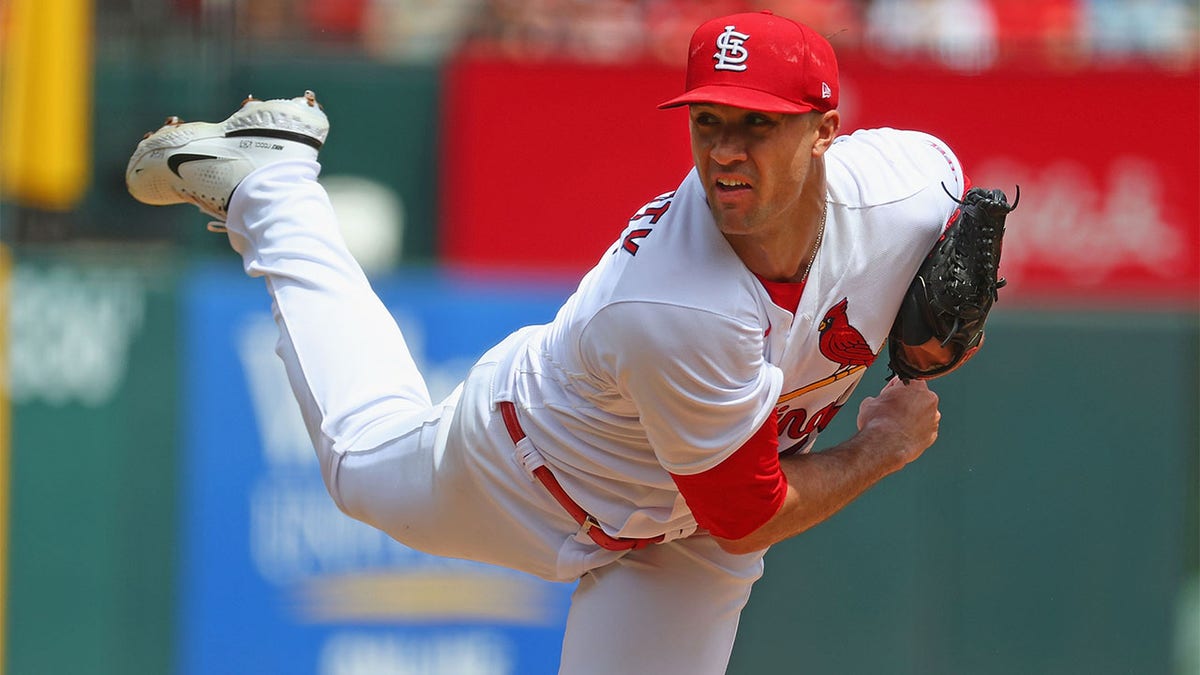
{"x":604,"y":540}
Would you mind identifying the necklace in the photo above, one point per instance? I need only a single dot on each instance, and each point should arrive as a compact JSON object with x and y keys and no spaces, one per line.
{"x":817,"y":245}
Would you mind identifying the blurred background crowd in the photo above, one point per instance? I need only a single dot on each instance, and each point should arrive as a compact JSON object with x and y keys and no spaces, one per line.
{"x":962,"y":34}
{"x":144,"y":48}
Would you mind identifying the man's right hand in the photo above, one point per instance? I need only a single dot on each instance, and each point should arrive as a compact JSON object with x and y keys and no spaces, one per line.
{"x":903,"y":419}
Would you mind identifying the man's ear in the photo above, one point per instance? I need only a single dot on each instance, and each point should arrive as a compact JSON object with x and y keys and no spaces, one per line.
{"x":827,"y":130}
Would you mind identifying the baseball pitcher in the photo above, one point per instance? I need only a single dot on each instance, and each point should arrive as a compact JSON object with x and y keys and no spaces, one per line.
{"x":657,"y":436}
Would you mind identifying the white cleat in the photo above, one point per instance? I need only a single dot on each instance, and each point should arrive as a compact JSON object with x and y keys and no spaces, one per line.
{"x":201,"y":162}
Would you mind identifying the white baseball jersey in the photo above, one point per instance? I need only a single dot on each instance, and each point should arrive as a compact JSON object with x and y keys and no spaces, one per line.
{"x":671,"y":353}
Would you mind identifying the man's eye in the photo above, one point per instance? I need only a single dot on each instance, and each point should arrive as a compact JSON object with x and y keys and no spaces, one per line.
{"x":705,"y":119}
{"x":758,"y":120}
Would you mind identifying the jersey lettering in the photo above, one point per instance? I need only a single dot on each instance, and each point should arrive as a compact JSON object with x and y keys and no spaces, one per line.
{"x":798,"y":426}
{"x":652,"y":212}
{"x":630,"y":244}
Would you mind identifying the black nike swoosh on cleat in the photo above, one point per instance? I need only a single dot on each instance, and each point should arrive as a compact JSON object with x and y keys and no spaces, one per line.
{"x":174,"y":161}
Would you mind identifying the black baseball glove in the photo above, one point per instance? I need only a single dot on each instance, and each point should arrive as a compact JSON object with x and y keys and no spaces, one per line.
{"x":940,"y":322}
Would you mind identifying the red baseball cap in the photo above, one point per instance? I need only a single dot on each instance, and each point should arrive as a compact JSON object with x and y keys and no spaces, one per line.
{"x":760,"y":61}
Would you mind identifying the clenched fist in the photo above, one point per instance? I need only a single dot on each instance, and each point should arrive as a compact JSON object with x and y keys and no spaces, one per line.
{"x":903,"y":419}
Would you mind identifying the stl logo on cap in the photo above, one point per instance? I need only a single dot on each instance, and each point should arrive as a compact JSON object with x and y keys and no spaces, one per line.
{"x":732,"y":52}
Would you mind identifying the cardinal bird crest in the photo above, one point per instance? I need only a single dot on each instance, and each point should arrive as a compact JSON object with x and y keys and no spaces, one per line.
{"x":842,"y":343}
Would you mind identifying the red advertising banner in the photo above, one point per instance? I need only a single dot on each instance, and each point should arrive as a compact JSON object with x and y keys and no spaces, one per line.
{"x":544,"y":163}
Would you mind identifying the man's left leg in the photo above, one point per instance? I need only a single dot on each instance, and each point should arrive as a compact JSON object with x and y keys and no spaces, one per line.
{"x":668,"y":609}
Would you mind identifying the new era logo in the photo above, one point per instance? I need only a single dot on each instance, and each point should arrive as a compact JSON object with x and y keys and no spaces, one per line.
{"x":826,"y":92}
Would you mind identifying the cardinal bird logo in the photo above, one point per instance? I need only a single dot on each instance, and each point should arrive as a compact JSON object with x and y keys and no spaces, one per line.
{"x":842,"y":343}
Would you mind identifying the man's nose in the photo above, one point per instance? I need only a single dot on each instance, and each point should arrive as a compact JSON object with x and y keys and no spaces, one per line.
{"x":728,"y":147}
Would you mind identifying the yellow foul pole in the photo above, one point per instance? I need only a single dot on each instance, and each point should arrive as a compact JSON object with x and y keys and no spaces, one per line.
{"x":45,"y":102}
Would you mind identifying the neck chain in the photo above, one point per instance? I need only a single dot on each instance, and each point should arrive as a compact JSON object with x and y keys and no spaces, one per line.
{"x":817,"y":245}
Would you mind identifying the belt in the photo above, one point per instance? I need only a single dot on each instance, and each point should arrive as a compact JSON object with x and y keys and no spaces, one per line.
{"x":585,"y":520}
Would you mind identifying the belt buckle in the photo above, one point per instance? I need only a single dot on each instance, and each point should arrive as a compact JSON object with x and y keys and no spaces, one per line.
{"x":590,"y":527}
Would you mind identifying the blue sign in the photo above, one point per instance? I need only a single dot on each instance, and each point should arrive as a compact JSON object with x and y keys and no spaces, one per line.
{"x":274,"y":578}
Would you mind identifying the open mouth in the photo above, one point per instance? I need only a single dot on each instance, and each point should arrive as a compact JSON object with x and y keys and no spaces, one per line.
{"x":731,"y":185}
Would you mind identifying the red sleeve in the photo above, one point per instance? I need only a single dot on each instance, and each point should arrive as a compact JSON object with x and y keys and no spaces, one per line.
{"x":739,"y":495}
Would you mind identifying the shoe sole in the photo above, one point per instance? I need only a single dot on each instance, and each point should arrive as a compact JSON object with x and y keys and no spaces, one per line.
{"x":298,"y":120}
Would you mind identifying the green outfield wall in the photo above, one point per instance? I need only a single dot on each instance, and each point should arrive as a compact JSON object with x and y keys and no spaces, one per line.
{"x":92,"y":374}
{"x":385,"y":130}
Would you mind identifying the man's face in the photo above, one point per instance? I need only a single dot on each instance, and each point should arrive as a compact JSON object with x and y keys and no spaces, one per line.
{"x":752,"y":164}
